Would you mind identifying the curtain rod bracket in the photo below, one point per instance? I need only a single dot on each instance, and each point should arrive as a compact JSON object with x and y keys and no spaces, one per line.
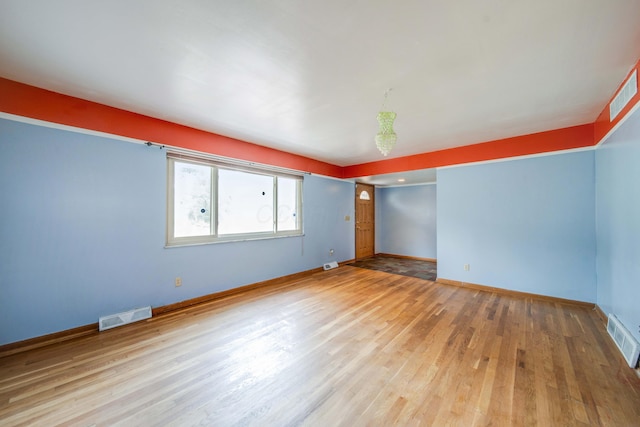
{"x":151,"y":144}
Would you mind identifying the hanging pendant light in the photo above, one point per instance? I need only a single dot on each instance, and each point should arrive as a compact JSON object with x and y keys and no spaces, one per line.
{"x":386,"y":137}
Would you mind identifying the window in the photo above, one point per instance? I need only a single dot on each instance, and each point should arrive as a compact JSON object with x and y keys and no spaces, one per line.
{"x":213,"y":202}
{"x":364,"y":195}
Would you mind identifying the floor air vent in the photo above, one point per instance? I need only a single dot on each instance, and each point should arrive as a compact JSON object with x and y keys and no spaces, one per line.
{"x":330,"y":265}
{"x":627,"y":344}
{"x":119,"y":319}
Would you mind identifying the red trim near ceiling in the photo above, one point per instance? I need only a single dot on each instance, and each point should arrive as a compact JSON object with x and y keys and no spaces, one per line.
{"x":28,"y":101}
{"x":535,"y":143}
{"x":603,"y":125}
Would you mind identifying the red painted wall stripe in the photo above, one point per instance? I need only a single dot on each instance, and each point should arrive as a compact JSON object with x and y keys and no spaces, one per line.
{"x":28,"y":101}
{"x":602,"y":124}
{"x":536,"y":143}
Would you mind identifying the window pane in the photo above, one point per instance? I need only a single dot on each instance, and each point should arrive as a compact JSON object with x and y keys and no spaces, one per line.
{"x":287,"y":204}
{"x":245,"y":202}
{"x":192,"y":200}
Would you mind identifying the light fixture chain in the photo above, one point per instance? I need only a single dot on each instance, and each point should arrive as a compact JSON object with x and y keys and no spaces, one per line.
{"x":384,"y":101}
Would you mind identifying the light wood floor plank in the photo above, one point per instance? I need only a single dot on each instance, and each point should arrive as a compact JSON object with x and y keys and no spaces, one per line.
{"x":343,"y":347}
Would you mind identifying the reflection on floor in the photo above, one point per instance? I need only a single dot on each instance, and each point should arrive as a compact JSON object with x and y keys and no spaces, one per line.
{"x":404,"y":266}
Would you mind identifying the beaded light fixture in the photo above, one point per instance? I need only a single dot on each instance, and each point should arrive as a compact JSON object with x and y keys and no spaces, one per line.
{"x":386,"y":137}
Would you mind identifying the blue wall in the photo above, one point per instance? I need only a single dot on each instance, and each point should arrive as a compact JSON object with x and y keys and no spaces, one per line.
{"x":82,"y":229}
{"x":618,"y":223}
{"x":82,"y":233}
{"x":524,"y":224}
{"x":406,"y":221}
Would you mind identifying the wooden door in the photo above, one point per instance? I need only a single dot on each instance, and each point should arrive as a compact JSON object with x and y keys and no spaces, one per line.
{"x":365,"y":220}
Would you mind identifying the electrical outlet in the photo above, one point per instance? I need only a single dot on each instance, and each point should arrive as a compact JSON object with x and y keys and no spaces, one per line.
{"x":178,"y":281}
{"x":466,"y":267}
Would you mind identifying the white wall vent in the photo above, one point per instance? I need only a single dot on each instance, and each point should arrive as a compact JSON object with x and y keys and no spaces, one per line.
{"x":629,"y":89}
{"x":330,"y":265}
{"x":119,"y":319}
{"x":627,"y":344}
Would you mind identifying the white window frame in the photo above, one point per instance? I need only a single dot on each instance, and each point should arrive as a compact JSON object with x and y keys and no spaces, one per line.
{"x":213,"y":236}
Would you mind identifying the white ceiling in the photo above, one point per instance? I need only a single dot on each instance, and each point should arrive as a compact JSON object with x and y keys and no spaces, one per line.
{"x":424,"y":176}
{"x":309,"y":77}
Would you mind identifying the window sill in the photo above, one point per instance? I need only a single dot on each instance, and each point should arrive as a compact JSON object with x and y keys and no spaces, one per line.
{"x":233,"y":239}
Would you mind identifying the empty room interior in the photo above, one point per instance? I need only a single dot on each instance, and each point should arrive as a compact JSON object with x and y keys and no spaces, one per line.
{"x":189,"y":189}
